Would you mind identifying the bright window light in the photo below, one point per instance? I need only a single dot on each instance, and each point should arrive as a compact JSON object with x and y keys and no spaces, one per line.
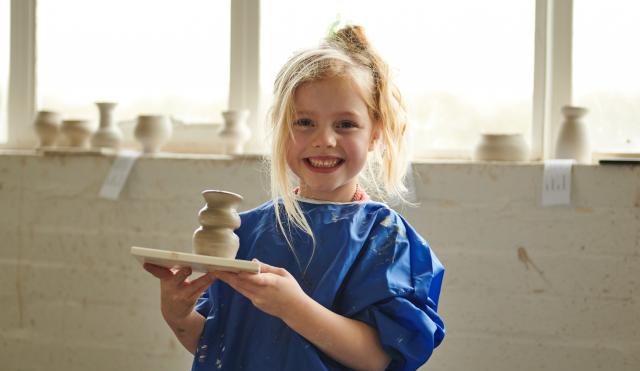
{"x":463,"y":66}
{"x":606,"y":71}
{"x":169,"y":57}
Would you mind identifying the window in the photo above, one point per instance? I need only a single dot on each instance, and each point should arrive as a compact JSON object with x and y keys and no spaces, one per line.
{"x":606,"y":72}
{"x":463,"y":66}
{"x":166,"y":57}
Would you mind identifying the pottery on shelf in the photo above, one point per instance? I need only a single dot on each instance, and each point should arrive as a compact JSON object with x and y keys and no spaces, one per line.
{"x":152,"y":131}
{"x":47,"y":127}
{"x":501,"y":147}
{"x":108,"y":134}
{"x":573,"y":137}
{"x":77,"y":132}
{"x":235,"y":132}
{"x":218,"y":219}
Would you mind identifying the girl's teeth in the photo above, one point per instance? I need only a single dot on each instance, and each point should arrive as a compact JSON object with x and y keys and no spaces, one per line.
{"x":323,"y":163}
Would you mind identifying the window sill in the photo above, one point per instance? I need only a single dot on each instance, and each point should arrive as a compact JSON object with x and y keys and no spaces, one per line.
{"x":185,"y":138}
{"x":180,"y":155}
{"x":105,"y":152}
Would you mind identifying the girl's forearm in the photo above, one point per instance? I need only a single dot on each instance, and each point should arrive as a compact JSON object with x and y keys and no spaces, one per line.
{"x":188,"y":330}
{"x":350,"y":342}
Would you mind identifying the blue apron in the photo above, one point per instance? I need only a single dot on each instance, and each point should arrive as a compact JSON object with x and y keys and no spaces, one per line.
{"x":369,"y":264}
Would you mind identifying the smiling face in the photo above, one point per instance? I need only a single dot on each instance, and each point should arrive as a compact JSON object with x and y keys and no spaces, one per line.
{"x":332,"y":134}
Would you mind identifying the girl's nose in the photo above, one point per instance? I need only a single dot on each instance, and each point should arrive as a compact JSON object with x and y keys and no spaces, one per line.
{"x":324,"y":137}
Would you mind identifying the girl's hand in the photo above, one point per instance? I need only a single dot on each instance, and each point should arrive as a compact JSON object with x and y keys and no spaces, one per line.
{"x":273,"y":290}
{"x":178,"y":295}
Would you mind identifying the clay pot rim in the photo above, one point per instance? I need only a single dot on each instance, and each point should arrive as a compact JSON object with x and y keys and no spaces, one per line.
{"x":501,"y":135}
{"x":244,"y":110}
{"x":234,"y":196}
{"x":75,"y":122}
{"x":48,"y":112}
{"x":241,"y":113}
{"x":153,"y":116}
{"x":574,"y":111}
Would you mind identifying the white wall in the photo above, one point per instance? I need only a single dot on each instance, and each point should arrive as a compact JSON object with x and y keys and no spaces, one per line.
{"x":72,"y":298}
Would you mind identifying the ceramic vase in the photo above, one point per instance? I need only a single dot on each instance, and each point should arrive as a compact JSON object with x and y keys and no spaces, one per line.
{"x":218,"y":219}
{"x":235,"y":132}
{"x":47,"y":127}
{"x":501,"y":147}
{"x":573,"y":137}
{"x":77,"y":132}
{"x":152,"y":131}
{"x":108,"y":134}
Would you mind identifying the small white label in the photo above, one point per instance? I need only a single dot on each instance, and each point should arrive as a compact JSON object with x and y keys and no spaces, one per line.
{"x":556,"y":183}
{"x":118,"y":175}
{"x":411,"y":185}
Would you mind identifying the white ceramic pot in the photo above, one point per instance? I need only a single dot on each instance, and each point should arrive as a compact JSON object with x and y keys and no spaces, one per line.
{"x":235,"y":132}
{"x":152,"y":131}
{"x":108,"y":134}
{"x":77,"y":132}
{"x":501,"y":147}
{"x":573,"y":137}
{"x":47,"y":127}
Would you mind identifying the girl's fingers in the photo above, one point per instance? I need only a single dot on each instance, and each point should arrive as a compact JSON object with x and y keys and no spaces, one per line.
{"x":266,"y":268}
{"x":260,"y":279}
{"x":245,"y":293}
{"x":182,"y":275}
{"x":236,"y":283}
{"x":158,"y":271}
{"x":230,"y":279}
{"x":197,"y":286}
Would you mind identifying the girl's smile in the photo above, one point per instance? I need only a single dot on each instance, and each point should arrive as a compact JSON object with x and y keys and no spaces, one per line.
{"x":323,"y":164}
{"x":332,"y":134}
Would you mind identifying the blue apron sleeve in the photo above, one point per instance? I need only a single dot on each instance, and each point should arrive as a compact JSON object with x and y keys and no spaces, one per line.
{"x":394,"y":286}
{"x":203,"y":305}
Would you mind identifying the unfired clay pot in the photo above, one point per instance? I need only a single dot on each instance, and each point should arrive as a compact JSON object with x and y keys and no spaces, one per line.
{"x":218,"y":218}
{"x":108,"y":134}
{"x":573,"y":138}
{"x":77,"y":132}
{"x":235,"y":132}
{"x":152,"y":131}
{"x":47,"y":126}
{"x":501,"y":147}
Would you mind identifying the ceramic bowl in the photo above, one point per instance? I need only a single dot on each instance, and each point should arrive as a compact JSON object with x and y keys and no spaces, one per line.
{"x":77,"y":132}
{"x":501,"y":147}
{"x":47,"y":127}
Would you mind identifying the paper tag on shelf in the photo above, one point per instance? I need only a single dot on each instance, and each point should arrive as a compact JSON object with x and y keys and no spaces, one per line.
{"x":118,"y":175}
{"x":556,"y":183}
{"x":411,"y":195}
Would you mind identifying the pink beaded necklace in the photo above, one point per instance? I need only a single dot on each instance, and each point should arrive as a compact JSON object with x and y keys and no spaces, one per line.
{"x":359,"y":195}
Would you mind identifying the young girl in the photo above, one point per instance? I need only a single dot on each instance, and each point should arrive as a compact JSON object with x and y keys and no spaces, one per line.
{"x":345,"y":282}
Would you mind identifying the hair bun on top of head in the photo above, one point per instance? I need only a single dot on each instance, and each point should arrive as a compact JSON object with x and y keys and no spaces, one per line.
{"x":351,"y":38}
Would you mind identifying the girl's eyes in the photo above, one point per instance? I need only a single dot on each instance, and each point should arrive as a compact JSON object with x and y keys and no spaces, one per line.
{"x":346,"y":125}
{"x":339,"y":125}
{"x":303,"y":122}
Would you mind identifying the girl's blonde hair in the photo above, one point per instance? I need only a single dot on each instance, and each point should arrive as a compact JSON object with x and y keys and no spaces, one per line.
{"x":347,"y":54}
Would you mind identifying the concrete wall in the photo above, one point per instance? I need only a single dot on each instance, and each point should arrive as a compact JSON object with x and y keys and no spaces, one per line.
{"x":526,"y":288}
